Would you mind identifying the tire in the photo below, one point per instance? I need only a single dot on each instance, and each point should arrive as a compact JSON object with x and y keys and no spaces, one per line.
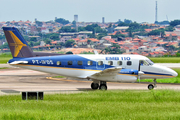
{"x":150,"y":86}
{"x":94,"y":86}
{"x":103,"y":87}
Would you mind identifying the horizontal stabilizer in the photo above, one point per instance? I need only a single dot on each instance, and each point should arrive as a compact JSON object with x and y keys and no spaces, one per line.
{"x":18,"y":62}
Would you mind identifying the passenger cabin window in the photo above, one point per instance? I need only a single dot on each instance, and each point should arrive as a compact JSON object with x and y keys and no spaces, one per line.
{"x":80,"y":62}
{"x":100,"y":62}
{"x":58,"y":63}
{"x":90,"y":62}
{"x":119,"y":62}
{"x":69,"y":62}
{"x":129,"y":63}
{"x":110,"y":62}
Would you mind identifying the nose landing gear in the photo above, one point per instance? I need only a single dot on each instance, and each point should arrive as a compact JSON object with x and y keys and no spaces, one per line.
{"x":151,"y":86}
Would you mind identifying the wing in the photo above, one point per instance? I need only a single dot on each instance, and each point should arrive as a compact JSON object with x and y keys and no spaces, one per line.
{"x":107,"y":72}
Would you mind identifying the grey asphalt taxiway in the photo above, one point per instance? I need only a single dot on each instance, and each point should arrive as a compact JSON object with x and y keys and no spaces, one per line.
{"x":14,"y":80}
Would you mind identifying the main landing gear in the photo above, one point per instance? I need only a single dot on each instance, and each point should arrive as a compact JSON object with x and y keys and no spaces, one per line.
{"x":151,"y":86}
{"x":102,"y":86}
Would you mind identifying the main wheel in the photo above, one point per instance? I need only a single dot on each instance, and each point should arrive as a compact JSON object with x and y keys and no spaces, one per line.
{"x":103,"y":87}
{"x":150,"y":86}
{"x":94,"y":86}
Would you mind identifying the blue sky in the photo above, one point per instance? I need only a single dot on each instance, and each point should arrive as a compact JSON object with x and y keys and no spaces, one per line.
{"x":89,"y":10}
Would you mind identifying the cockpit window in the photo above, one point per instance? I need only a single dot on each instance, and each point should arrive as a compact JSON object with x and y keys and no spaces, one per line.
{"x":146,"y":62}
{"x":143,"y":62}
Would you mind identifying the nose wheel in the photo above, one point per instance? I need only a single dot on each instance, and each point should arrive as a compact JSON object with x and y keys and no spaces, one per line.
{"x":151,"y":86}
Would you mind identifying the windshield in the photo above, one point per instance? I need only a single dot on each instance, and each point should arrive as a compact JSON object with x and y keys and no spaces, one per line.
{"x":143,"y":62}
{"x":146,"y":62}
{"x":150,"y":62}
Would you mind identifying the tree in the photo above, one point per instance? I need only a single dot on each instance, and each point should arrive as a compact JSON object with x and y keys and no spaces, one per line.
{"x":91,"y":35}
{"x":130,"y":33}
{"x":66,"y":29}
{"x":62,"y":44}
{"x":91,"y":27}
{"x":123,"y":24}
{"x":5,"y":45}
{"x":54,"y":36}
{"x":62,"y":21}
{"x":127,"y":21}
{"x":87,"y":52}
{"x":162,"y":23}
{"x":2,"y":37}
{"x":36,"y":43}
{"x":157,"y":32}
{"x":100,"y":35}
{"x":39,"y":23}
{"x":69,"y":43}
{"x":81,"y":29}
{"x":69,"y":52}
{"x":118,"y":35}
{"x":169,"y":28}
{"x":74,"y":23}
{"x":115,"y":49}
{"x":34,"y":39}
{"x":47,"y":41}
{"x":31,"y":44}
{"x":171,"y":47}
{"x":88,"y":41}
{"x":174,"y":23}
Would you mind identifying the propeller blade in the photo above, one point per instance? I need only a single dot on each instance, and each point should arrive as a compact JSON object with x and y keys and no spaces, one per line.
{"x":139,"y":78}
{"x":139,"y":75}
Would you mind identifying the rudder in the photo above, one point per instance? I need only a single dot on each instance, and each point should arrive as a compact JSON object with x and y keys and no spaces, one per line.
{"x":18,"y":46}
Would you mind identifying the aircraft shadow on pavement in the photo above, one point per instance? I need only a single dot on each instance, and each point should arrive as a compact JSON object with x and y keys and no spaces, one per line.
{"x":10,"y":91}
{"x":85,"y":89}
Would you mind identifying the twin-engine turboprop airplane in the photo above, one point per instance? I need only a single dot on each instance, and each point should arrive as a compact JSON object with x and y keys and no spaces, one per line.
{"x":98,"y":68}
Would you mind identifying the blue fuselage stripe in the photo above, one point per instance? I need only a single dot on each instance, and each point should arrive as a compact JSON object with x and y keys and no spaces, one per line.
{"x":52,"y":62}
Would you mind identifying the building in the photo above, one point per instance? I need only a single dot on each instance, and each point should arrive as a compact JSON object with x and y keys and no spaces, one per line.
{"x":103,"y":20}
{"x":76,"y":18}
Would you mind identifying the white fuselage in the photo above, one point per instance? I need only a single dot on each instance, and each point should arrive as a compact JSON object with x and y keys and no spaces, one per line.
{"x":85,"y":66}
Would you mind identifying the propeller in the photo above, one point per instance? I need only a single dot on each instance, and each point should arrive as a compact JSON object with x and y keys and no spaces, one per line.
{"x":139,"y":71}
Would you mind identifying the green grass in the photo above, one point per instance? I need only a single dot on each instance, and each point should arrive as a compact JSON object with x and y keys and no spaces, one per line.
{"x":5,"y":57}
{"x":165,"y":59}
{"x":95,"y":105}
{"x":58,"y":77}
{"x":168,"y":80}
{"x":4,"y":68}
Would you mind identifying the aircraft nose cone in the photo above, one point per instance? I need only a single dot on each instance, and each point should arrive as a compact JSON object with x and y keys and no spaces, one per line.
{"x":174,"y":73}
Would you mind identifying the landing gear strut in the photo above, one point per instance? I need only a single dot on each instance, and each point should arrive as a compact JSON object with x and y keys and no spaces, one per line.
{"x":151,"y":86}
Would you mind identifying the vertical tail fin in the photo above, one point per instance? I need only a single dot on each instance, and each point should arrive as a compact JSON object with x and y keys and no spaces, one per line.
{"x":17,"y":44}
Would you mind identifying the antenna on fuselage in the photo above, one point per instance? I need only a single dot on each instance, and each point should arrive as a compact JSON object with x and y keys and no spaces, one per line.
{"x":139,"y":70}
{"x":96,"y":53}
